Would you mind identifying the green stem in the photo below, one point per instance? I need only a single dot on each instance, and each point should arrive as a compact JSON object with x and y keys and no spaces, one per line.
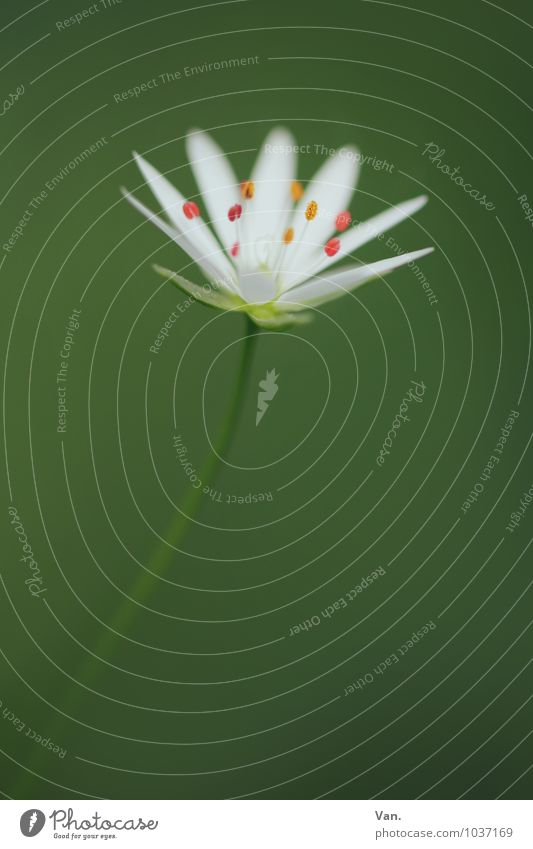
{"x":164,"y":554}
{"x":161,"y":558}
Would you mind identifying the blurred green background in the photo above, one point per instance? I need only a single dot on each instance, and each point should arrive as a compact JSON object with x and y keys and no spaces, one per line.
{"x":193,"y":687}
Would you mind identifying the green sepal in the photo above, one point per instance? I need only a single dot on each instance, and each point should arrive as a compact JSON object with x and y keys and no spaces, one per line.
{"x":207,"y":294}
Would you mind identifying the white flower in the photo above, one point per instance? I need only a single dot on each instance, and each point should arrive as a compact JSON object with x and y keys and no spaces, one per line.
{"x":273,"y":243}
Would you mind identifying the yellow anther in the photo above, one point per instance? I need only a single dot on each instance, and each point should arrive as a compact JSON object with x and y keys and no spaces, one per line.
{"x":297,"y":190}
{"x":311,"y":210}
{"x":247,"y":189}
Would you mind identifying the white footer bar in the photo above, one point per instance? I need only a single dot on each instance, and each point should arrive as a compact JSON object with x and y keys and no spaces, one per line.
{"x":268,"y":824}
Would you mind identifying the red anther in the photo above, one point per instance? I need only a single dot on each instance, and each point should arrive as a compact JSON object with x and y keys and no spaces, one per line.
{"x":235,"y":212}
{"x":190,"y":210}
{"x":332,"y":247}
{"x":343,"y":221}
{"x":235,"y":249}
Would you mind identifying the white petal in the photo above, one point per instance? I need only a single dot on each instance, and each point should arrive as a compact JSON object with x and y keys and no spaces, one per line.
{"x":195,"y":229}
{"x":359,"y":235}
{"x":344,"y":280}
{"x":332,"y":188}
{"x":207,"y":264}
{"x":370,"y":229}
{"x":217,"y":182}
{"x":170,"y":199}
{"x":267,"y":214}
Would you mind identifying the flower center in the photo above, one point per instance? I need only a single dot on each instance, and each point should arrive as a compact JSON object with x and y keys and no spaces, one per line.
{"x":264,"y":250}
{"x":258,"y":287}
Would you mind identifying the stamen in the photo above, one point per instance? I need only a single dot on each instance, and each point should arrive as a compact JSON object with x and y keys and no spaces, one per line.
{"x":311,"y":210}
{"x":343,"y":221}
{"x":235,"y":249}
{"x":235,"y":212}
{"x":247,"y":189}
{"x":297,"y":190}
{"x":247,"y":193}
{"x":288,"y":236}
{"x":332,"y":247}
{"x":190,"y":210}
